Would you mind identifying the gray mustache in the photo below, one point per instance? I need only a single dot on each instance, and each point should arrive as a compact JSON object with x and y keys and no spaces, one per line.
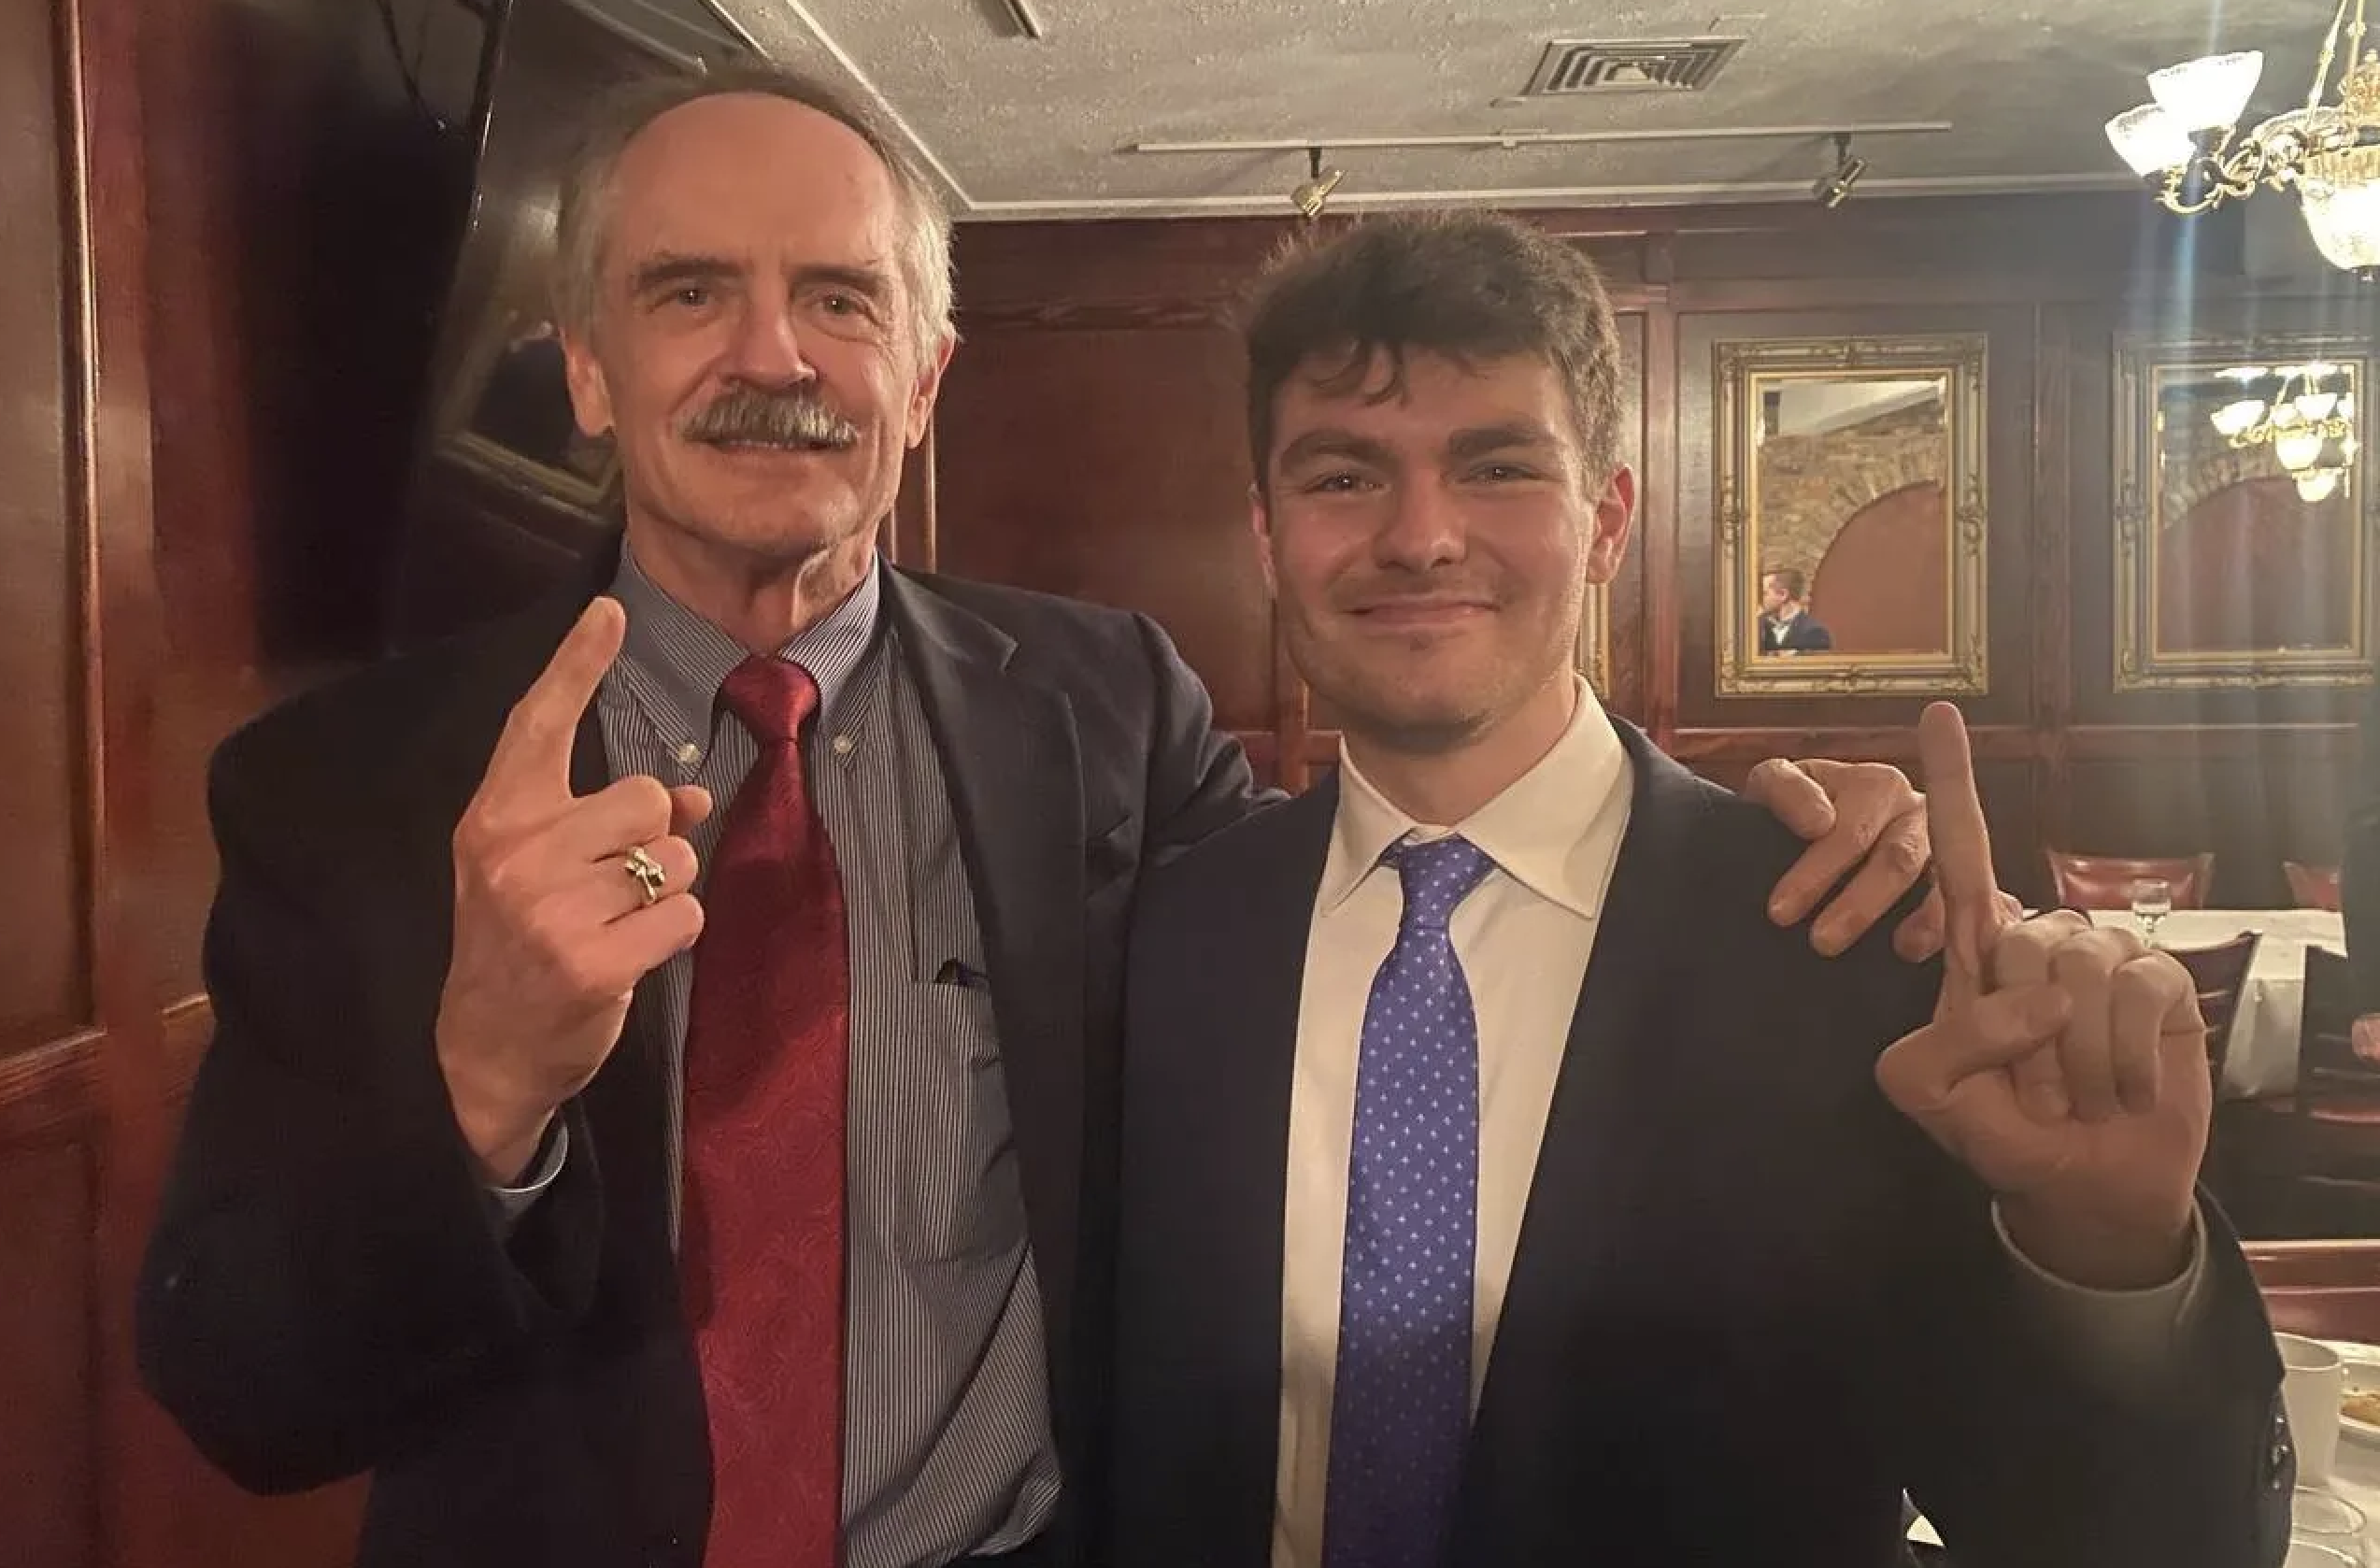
{"x":748,"y":417}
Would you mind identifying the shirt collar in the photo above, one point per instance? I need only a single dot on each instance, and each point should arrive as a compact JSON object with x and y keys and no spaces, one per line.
{"x":675,"y":660}
{"x":1540,"y":831}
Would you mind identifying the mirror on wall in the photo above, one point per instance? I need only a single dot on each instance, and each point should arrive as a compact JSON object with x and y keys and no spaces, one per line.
{"x":1850,"y":495}
{"x":2239,"y":485}
{"x":503,"y":441}
{"x":512,"y":420}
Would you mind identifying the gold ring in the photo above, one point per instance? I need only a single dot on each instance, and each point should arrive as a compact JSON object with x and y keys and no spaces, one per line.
{"x":651,"y":880}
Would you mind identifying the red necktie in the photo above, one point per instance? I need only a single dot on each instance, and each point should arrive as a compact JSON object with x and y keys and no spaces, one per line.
{"x":760,"y":1248}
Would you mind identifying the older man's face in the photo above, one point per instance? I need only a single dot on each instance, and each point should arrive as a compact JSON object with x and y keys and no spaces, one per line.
{"x":753,"y":347}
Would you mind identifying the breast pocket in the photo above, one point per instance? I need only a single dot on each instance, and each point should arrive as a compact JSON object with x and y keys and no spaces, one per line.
{"x":940,"y":1099}
{"x":1112,"y":853}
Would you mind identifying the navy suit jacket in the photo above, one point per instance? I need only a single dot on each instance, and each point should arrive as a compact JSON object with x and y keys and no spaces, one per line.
{"x":1802,"y":635}
{"x":328,"y":1291}
{"x":2359,"y":861}
{"x":1752,"y":1302}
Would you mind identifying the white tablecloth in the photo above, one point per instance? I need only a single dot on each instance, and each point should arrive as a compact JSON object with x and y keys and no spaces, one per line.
{"x":2264,"y":1032}
{"x":2355,"y":1476}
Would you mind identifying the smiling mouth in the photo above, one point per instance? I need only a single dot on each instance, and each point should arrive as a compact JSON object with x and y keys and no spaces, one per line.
{"x":1420,"y":612}
{"x":794,"y":449}
{"x":773,"y":442}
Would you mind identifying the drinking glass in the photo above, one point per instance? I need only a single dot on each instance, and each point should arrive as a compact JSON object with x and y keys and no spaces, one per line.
{"x":2152,"y":900}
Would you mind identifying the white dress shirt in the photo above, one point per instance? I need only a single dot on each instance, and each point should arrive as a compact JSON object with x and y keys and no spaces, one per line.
{"x":1524,"y":937}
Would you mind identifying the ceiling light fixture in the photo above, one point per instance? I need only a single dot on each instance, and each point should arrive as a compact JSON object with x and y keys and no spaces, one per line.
{"x":1512,"y":140}
{"x":1834,"y":186}
{"x":1313,"y":193}
{"x":2304,"y":412}
{"x":1020,"y":12}
{"x":2187,"y":143}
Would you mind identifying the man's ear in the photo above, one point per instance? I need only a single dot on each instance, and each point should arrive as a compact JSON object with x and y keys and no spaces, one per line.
{"x":590,"y":393}
{"x":1614,"y":515}
{"x":1260,"y":525}
{"x":929,"y":388}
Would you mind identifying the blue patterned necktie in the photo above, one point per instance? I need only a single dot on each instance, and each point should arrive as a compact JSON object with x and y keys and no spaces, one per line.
{"x":1401,"y":1405}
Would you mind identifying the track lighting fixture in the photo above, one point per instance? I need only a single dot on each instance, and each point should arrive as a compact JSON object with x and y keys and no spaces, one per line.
{"x":1834,"y":186}
{"x":1314,"y":192}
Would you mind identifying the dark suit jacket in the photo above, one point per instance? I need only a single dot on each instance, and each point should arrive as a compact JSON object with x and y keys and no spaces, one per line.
{"x":1803,"y":635}
{"x":2359,"y":863}
{"x":327,"y":1293}
{"x":1751,"y":1304}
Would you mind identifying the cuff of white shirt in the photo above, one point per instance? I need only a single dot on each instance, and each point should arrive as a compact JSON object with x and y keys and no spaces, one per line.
{"x":512,"y":1202}
{"x":2133,"y":1335}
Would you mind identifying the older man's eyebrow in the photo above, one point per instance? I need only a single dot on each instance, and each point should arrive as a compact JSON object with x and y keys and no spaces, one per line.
{"x":859,"y":278}
{"x":675,"y":270}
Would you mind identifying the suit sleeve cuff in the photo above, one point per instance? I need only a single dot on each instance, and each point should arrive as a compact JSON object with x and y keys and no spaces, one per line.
{"x":513,"y":1203}
{"x":2132,"y":1337}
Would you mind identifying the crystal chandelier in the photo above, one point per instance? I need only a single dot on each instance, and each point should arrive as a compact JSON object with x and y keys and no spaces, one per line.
{"x":2304,"y":412}
{"x":2187,"y":146}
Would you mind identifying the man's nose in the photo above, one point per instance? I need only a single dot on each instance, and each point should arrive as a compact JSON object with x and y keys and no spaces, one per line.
{"x":1423,"y":529}
{"x":767,"y":348}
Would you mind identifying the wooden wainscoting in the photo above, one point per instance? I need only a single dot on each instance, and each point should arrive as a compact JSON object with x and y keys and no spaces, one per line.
{"x":1091,"y":440}
{"x":212,"y":210}
{"x":2330,"y":1290}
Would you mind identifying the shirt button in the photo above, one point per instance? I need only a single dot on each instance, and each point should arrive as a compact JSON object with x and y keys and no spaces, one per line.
{"x":688,"y":754}
{"x":842,"y":745}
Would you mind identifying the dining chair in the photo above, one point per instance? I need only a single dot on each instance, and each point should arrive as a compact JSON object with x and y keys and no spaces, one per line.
{"x":2220,"y":973}
{"x":2105,"y":881}
{"x":2314,"y":887}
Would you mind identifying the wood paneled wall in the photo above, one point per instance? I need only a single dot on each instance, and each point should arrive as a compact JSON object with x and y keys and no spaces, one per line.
{"x":218,"y":257}
{"x":223,"y":231}
{"x":1091,"y":441}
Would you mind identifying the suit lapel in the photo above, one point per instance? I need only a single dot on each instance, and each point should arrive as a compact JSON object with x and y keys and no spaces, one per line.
{"x":624,"y":1106}
{"x":1011,"y":761}
{"x":1253,"y":1040}
{"x":627,"y":1105}
{"x":1588,"y":1163}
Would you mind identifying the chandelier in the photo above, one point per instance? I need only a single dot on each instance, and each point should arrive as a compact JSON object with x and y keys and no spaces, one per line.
{"x":2304,"y":412}
{"x":2187,"y":146}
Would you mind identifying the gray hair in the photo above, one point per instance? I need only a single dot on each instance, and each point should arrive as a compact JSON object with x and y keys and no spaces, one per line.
{"x":579,"y":230}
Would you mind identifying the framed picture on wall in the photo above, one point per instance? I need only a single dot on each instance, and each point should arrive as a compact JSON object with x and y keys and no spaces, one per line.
{"x":2239,"y":485}
{"x":1850,"y":497}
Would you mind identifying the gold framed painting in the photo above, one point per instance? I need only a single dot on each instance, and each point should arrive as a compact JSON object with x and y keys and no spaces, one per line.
{"x":1595,"y":640}
{"x":2241,"y":550}
{"x":1849,"y":492}
{"x":1594,"y":653}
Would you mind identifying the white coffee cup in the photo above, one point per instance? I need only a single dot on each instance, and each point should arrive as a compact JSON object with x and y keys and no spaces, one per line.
{"x":2313,"y":1381}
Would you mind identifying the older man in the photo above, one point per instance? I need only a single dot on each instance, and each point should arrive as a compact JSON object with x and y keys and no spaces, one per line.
{"x":598,"y":1245}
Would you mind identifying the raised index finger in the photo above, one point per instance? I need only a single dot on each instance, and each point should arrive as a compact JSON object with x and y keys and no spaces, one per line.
{"x":532,"y":755}
{"x":1961,"y":841}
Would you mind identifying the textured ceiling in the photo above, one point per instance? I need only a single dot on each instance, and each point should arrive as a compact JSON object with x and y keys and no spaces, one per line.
{"x":1024,"y":129}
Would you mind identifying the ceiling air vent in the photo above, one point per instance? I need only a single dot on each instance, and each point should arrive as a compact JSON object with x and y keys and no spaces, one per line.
{"x":1574,"y":65}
